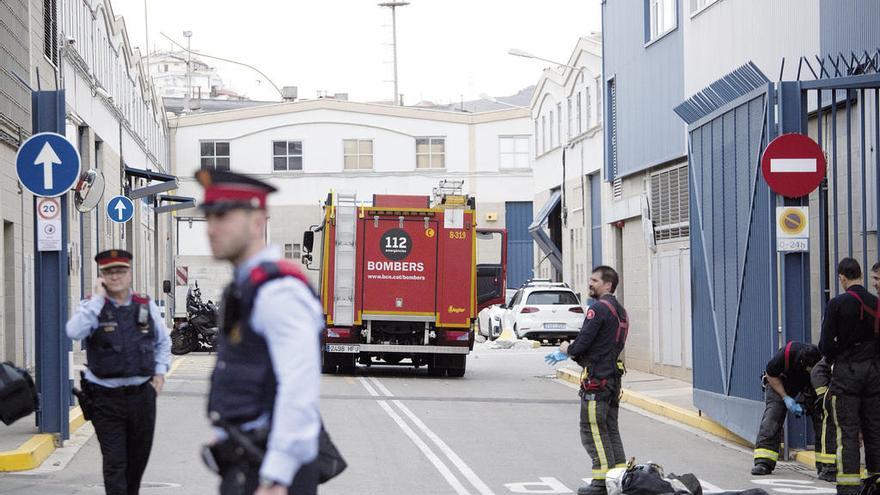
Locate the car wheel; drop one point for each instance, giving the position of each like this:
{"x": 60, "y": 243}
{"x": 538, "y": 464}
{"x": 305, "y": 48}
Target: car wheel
{"x": 516, "y": 333}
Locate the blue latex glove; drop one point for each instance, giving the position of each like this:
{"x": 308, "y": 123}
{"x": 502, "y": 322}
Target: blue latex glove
{"x": 555, "y": 357}
{"x": 793, "y": 406}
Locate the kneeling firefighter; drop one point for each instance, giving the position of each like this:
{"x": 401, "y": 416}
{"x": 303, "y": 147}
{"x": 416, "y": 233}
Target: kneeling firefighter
{"x": 597, "y": 349}
{"x": 787, "y": 388}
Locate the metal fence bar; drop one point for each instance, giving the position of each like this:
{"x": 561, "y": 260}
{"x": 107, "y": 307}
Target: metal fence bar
{"x": 849, "y": 181}
{"x": 877, "y": 165}
{"x": 834, "y": 191}
{"x": 864, "y": 192}
{"x": 823, "y": 215}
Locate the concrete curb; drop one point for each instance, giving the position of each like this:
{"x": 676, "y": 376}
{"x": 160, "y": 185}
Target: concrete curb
{"x": 660, "y": 408}
{"x": 35, "y": 450}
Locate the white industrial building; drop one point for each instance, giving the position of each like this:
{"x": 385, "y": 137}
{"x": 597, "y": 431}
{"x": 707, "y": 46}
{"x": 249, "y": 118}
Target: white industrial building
{"x": 309, "y": 148}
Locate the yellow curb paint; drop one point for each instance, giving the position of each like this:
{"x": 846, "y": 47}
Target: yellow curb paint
{"x": 35, "y": 450}
{"x": 806, "y": 457}
{"x": 174, "y": 365}
{"x": 660, "y": 408}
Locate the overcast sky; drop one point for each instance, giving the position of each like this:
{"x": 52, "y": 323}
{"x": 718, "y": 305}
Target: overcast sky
{"x": 446, "y": 48}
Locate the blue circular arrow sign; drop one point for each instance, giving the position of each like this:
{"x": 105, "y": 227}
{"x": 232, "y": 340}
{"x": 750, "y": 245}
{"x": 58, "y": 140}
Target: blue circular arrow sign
{"x": 120, "y": 209}
{"x": 47, "y": 164}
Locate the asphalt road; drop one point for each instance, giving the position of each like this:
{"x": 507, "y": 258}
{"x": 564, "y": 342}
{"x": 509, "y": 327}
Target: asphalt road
{"x": 507, "y": 427}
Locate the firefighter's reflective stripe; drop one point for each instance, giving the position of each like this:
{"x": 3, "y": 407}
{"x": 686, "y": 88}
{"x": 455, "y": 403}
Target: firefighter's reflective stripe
{"x": 766, "y": 454}
{"x": 826, "y": 458}
{"x": 849, "y": 479}
{"x": 597, "y": 441}
{"x": 621, "y": 465}
{"x": 840, "y": 474}
{"x": 821, "y": 390}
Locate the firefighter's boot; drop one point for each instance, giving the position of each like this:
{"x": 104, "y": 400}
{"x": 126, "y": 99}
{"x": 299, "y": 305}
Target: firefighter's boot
{"x": 761, "y": 469}
{"x": 827, "y": 472}
{"x": 596, "y": 487}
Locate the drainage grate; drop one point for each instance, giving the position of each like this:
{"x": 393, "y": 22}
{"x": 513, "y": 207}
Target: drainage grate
{"x": 793, "y": 466}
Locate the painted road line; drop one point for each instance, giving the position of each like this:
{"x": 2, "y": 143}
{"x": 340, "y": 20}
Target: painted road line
{"x": 367, "y": 386}
{"x": 381, "y": 386}
{"x": 448, "y": 452}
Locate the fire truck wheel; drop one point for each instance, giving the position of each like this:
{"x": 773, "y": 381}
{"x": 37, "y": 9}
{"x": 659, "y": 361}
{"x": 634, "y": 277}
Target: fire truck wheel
{"x": 436, "y": 370}
{"x": 459, "y": 369}
{"x": 328, "y": 366}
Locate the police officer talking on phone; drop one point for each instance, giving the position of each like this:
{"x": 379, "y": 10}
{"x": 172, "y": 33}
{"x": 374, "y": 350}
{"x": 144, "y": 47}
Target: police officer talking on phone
{"x": 128, "y": 353}
{"x": 264, "y": 388}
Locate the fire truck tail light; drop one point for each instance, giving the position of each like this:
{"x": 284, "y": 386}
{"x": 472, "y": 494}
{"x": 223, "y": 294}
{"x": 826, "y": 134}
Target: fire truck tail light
{"x": 577, "y": 309}
{"x": 529, "y": 309}
{"x": 338, "y": 333}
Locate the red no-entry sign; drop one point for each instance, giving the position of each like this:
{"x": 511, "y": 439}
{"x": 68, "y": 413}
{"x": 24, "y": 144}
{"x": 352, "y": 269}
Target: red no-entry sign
{"x": 793, "y": 165}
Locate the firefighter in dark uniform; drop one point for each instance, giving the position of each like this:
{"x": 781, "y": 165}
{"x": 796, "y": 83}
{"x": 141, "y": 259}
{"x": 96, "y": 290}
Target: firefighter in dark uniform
{"x": 597, "y": 349}
{"x": 788, "y": 389}
{"x": 826, "y": 437}
{"x": 264, "y": 388}
{"x": 849, "y": 342}
{"x": 128, "y": 352}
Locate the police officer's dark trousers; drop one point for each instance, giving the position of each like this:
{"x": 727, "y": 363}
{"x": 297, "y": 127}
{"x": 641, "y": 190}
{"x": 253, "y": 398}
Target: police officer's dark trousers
{"x": 242, "y": 478}
{"x": 124, "y": 420}
{"x": 855, "y": 399}
{"x": 600, "y": 433}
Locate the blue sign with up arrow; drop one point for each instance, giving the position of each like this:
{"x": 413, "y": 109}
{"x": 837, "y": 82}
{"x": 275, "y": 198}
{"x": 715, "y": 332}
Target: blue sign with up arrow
{"x": 120, "y": 209}
{"x": 47, "y": 164}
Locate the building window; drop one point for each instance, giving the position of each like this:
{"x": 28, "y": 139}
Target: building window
{"x": 431, "y": 152}
{"x": 580, "y": 112}
{"x": 588, "y": 110}
{"x": 669, "y": 203}
{"x": 613, "y": 172}
{"x": 513, "y": 152}
{"x": 358, "y": 153}
{"x": 537, "y": 138}
{"x": 571, "y": 124}
{"x": 287, "y": 155}
{"x": 558, "y": 124}
{"x": 552, "y": 138}
{"x": 292, "y": 251}
{"x": 215, "y": 155}
{"x": 599, "y": 109}
{"x": 50, "y": 30}
{"x": 544, "y": 144}
{"x": 697, "y": 5}
{"x": 661, "y": 14}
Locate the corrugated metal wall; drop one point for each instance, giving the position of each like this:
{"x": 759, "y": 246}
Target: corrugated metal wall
{"x": 849, "y": 26}
{"x": 520, "y": 248}
{"x": 647, "y": 78}
{"x": 733, "y": 322}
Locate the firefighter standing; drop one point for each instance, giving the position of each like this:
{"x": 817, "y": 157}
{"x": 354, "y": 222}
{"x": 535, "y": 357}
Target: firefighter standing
{"x": 849, "y": 342}
{"x": 789, "y": 390}
{"x": 264, "y": 388}
{"x": 128, "y": 354}
{"x": 597, "y": 348}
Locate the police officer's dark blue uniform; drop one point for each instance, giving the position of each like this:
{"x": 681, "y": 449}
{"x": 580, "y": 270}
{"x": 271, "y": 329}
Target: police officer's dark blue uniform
{"x": 264, "y": 388}
{"x": 128, "y": 354}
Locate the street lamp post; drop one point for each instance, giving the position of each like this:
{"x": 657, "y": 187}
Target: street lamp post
{"x": 393, "y": 5}
{"x": 516, "y": 52}
{"x": 186, "y": 105}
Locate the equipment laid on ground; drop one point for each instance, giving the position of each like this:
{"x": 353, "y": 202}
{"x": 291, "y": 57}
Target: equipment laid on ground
{"x": 402, "y": 279}
{"x": 18, "y": 395}
{"x": 199, "y": 331}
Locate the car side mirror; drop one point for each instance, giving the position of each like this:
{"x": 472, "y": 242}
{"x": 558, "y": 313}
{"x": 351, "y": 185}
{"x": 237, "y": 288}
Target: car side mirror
{"x": 308, "y": 241}
{"x": 166, "y": 286}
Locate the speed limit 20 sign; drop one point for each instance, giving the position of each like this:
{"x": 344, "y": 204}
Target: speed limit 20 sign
{"x": 48, "y": 224}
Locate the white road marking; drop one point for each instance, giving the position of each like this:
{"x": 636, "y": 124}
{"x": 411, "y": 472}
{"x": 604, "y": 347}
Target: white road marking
{"x": 795, "y": 486}
{"x": 448, "y": 452}
{"x": 545, "y": 485}
{"x": 381, "y": 386}
{"x": 367, "y": 386}
{"x": 444, "y": 470}
{"x": 709, "y": 487}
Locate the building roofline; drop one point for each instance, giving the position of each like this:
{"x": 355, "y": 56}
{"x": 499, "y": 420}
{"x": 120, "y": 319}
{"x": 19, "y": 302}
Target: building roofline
{"x": 282, "y": 108}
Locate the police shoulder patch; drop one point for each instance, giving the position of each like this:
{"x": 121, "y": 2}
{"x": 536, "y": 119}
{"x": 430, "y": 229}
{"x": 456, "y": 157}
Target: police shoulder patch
{"x": 591, "y": 314}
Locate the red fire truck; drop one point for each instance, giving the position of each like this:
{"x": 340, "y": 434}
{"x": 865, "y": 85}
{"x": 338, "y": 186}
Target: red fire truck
{"x": 402, "y": 279}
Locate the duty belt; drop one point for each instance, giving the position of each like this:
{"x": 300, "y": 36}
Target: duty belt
{"x": 117, "y": 391}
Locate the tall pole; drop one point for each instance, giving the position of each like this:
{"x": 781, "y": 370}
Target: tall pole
{"x": 394, "y": 5}
{"x": 186, "y": 106}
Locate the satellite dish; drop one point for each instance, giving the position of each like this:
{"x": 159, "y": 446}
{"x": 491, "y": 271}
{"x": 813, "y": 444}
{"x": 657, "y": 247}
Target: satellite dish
{"x": 89, "y": 190}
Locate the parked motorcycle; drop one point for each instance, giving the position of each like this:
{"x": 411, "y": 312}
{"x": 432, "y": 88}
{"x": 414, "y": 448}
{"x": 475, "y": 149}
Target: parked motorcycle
{"x": 199, "y": 331}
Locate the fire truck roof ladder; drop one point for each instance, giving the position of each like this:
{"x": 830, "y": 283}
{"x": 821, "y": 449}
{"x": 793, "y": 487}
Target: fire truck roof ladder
{"x": 343, "y": 281}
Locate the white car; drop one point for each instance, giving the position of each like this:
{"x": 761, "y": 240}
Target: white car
{"x": 544, "y": 310}
{"x": 489, "y": 319}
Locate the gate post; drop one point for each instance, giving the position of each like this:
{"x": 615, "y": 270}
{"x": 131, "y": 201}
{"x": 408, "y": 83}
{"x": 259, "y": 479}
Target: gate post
{"x": 795, "y": 267}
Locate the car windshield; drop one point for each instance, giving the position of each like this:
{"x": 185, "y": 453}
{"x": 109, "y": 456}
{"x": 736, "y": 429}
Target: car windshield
{"x": 552, "y": 297}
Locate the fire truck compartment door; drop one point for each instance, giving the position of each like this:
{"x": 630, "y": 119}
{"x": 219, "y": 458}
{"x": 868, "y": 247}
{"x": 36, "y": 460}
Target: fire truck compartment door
{"x": 399, "y": 267}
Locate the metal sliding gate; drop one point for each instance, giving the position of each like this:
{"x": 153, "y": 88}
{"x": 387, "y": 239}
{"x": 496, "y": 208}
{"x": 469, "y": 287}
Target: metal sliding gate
{"x": 748, "y": 300}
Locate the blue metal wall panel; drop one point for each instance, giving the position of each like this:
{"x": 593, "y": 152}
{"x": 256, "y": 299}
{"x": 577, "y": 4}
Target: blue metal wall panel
{"x": 849, "y": 26}
{"x": 596, "y": 218}
{"x": 520, "y": 247}
{"x": 648, "y": 131}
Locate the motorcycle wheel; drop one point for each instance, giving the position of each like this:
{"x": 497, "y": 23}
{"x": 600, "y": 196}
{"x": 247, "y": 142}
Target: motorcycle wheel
{"x": 182, "y": 342}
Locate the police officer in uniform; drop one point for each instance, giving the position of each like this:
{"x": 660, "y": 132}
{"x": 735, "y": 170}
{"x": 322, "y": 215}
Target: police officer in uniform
{"x": 788, "y": 389}
{"x": 264, "y": 388}
{"x": 597, "y": 349}
{"x": 849, "y": 342}
{"x": 128, "y": 353}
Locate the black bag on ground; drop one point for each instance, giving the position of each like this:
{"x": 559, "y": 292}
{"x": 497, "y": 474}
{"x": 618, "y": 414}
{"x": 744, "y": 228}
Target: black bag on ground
{"x": 330, "y": 461}
{"x": 18, "y": 395}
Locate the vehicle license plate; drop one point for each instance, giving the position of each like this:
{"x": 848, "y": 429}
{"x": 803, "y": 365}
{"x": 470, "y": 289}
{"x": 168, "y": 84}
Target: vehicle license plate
{"x": 554, "y": 326}
{"x": 347, "y": 348}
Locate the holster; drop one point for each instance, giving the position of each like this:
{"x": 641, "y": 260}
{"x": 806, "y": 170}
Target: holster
{"x": 239, "y": 447}
{"x": 86, "y": 397}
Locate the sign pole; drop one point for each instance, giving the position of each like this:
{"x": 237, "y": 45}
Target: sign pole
{"x": 51, "y": 293}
